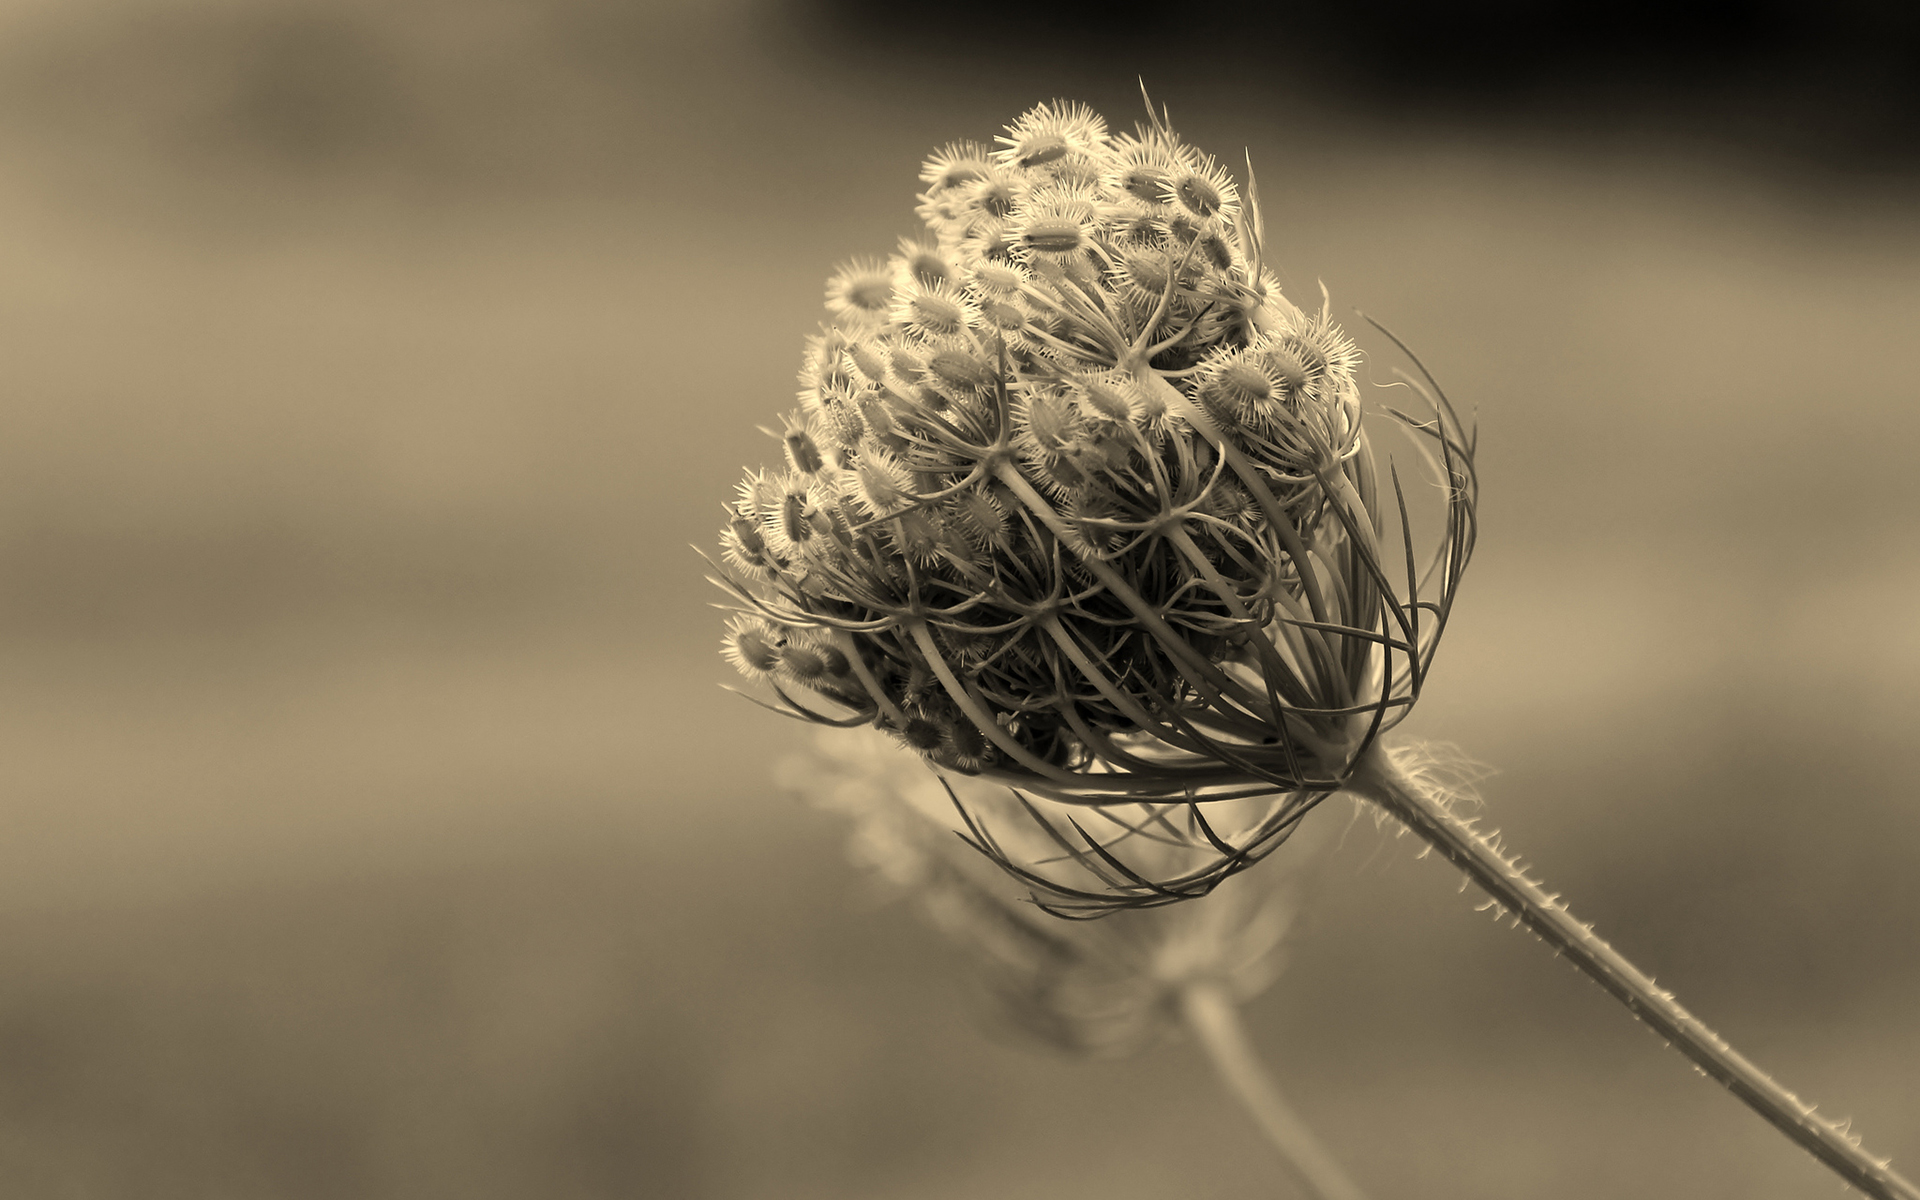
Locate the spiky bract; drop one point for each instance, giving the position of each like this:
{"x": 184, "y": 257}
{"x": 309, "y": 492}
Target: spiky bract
{"x": 1089, "y": 511}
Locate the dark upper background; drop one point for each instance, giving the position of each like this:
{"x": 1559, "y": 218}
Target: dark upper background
{"x": 374, "y": 824}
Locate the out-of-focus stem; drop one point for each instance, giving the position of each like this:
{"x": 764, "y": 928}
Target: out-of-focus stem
{"x": 1215, "y": 1020}
{"x": 1377, "y": 778}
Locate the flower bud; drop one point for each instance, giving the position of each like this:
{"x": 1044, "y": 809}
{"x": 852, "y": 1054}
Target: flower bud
{"x": 919, "y": 263}
{"x": 753, "y": 646}
{"x": 803, "y": 452}
{"x": 863, "y": 286}
{"x": 956, "y": 164}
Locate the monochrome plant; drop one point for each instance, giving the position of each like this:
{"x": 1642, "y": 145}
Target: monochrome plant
{"x": 1079, "y": 508}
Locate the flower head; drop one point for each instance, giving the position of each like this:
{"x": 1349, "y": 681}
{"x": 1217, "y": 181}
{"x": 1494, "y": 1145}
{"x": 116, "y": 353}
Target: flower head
{"x": 1088, "y": 509}
{"x": 1100, "y": 987}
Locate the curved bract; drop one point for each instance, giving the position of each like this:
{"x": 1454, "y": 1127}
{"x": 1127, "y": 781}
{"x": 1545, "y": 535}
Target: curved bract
{"x": 1077, "y": 502}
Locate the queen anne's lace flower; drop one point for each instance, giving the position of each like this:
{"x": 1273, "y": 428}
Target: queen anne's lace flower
{"x": 1094, "y": 987}
{"x": 1082, "y": 505}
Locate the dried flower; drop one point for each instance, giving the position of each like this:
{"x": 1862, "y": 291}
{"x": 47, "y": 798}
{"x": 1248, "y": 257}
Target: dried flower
{"x": 1102, "y": 988}
{"x": 1086, "y": 508}
{"x": 1077, "y": 503}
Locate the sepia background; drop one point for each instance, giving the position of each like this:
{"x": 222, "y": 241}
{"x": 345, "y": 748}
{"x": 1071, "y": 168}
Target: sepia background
{"x": 373, "y": 822}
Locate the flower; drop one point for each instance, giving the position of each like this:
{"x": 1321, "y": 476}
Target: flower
{"x": 1102, "y": 988}
{"x": 1088, "y": 509}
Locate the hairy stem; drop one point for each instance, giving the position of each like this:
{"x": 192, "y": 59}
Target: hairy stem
{"x": 1377, "y": 778}
{"x": 1215, "y": 1020}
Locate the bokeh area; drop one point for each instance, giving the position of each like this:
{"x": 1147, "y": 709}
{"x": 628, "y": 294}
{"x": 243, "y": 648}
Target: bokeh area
{"x": 373, "y": 821}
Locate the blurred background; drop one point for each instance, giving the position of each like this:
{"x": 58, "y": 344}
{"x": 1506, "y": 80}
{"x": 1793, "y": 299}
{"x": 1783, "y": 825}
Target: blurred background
{"x": 374, "y": 823}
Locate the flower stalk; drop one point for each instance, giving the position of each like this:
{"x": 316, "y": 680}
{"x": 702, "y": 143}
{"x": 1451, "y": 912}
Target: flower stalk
{"x": 1424, "y": 810}
{"x": 1215, "y": 1021}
